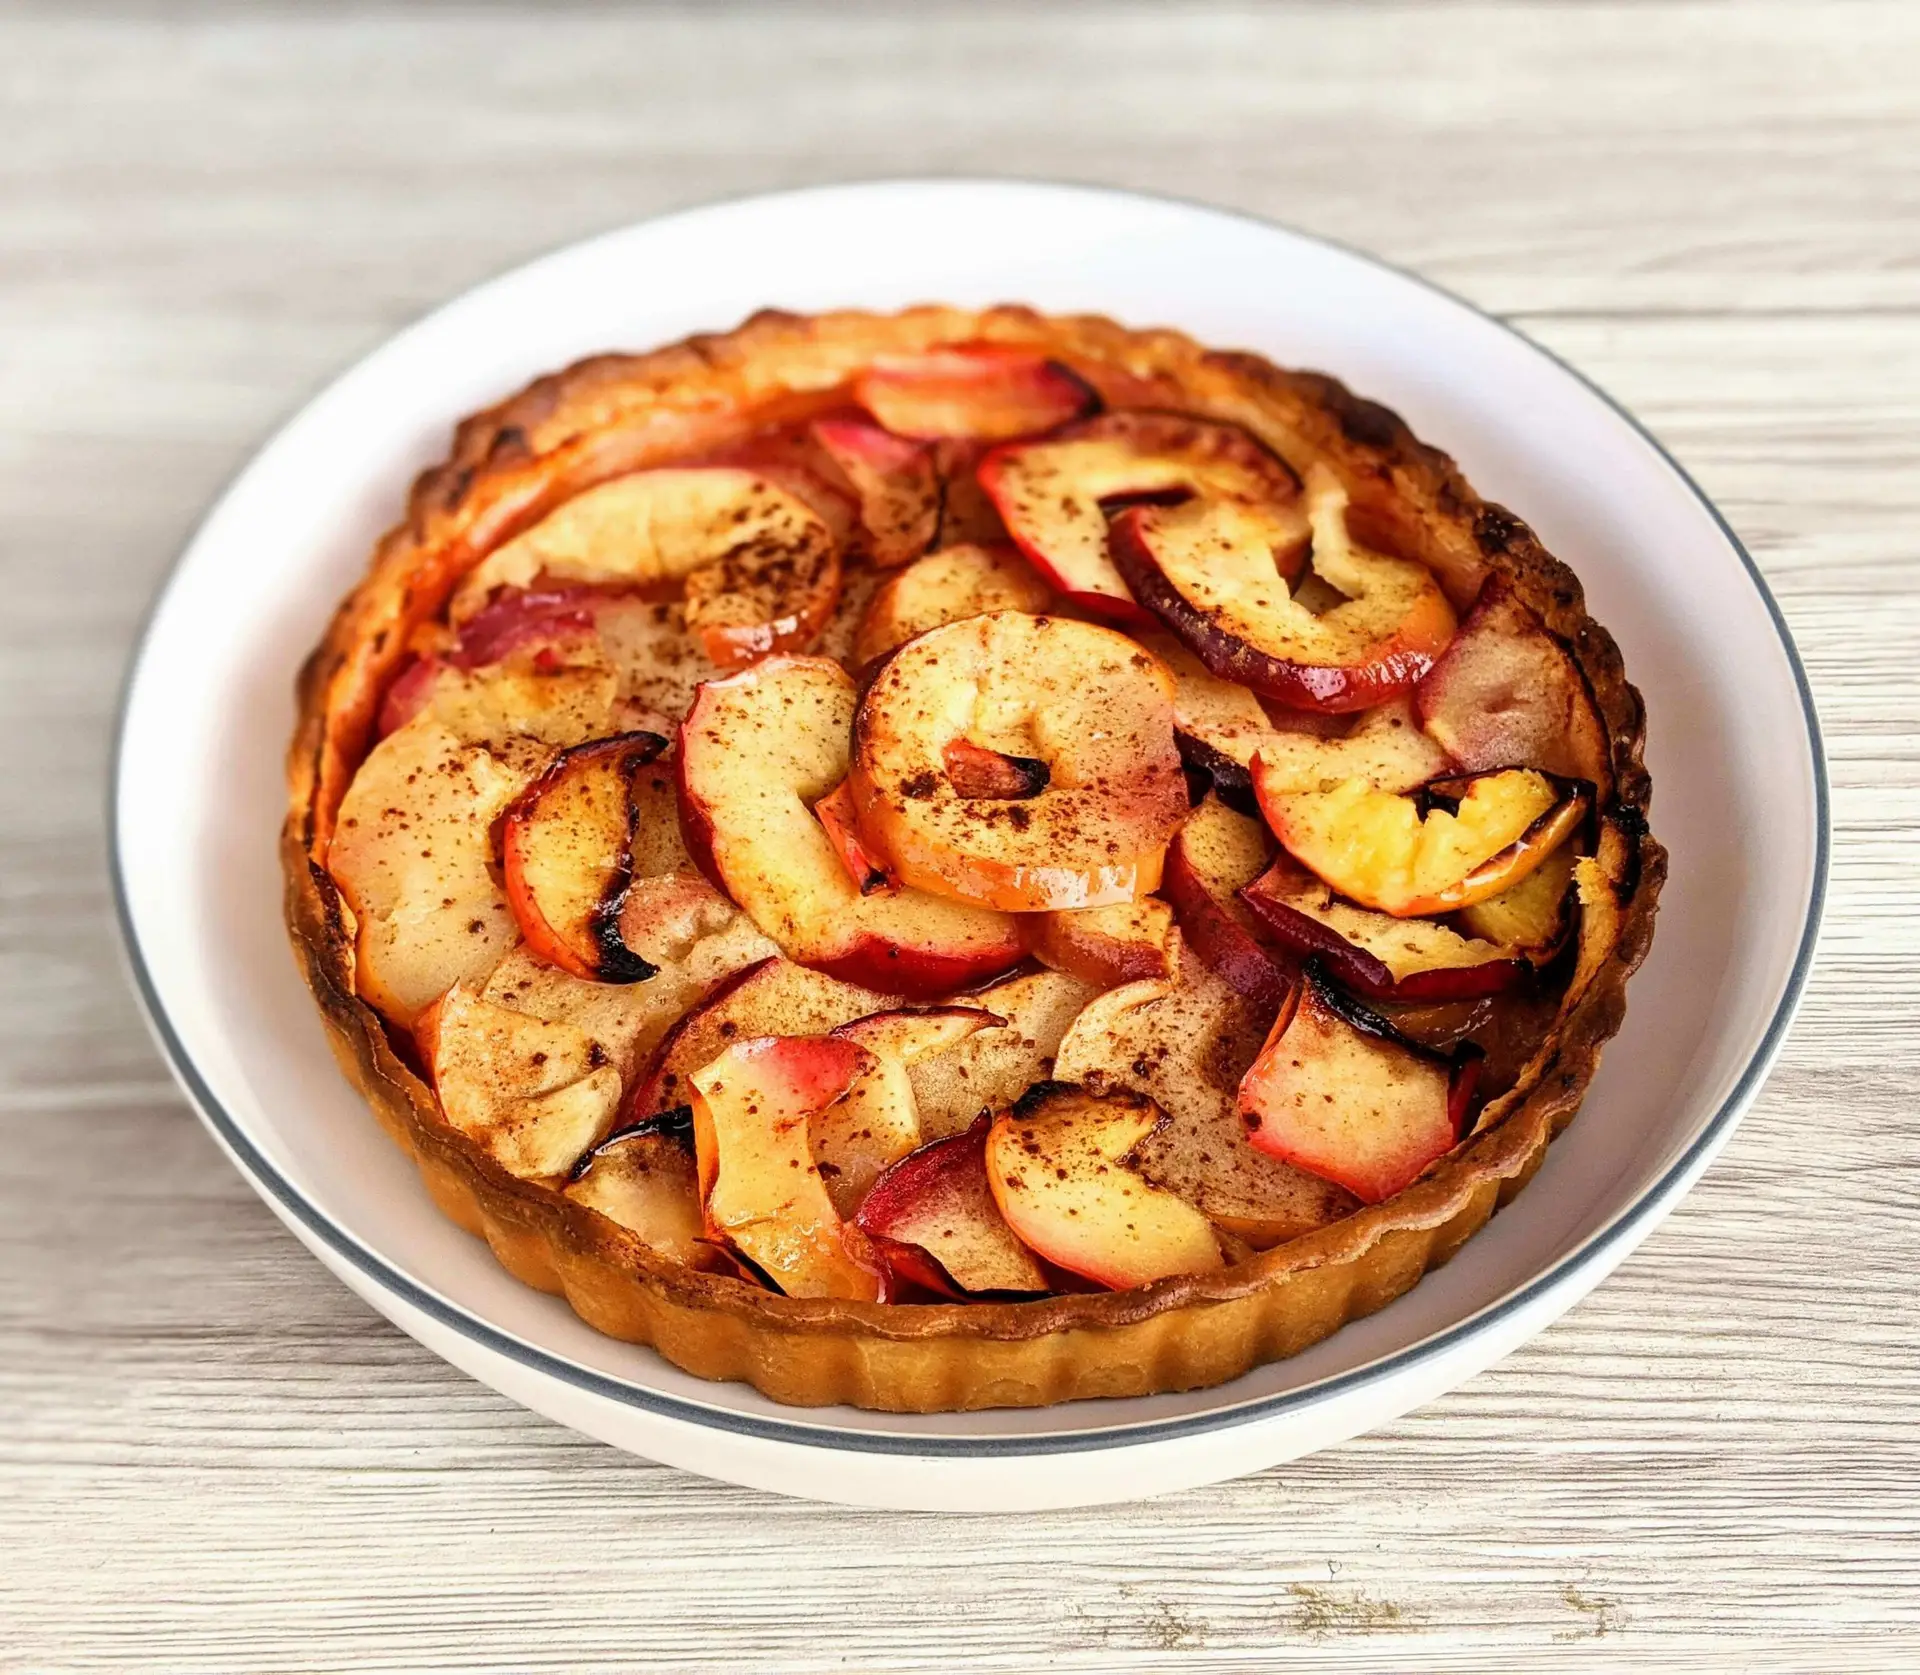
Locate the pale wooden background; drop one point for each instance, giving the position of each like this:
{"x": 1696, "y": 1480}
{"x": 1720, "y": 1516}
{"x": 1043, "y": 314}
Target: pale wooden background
{"x": 212, "y": 1457}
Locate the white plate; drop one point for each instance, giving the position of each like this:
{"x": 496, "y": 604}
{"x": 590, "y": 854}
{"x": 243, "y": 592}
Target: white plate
{"x": 1735, "y": 759}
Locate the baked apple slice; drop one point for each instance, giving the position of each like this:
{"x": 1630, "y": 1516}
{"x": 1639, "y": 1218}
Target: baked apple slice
{"x": 760, "y": 1193}
{"x": 943, "y": 587}
{"x": 1217, "y": 854}
{"x": 1082, "y": 703}
{"x": 1455, "y": 843}
{"x": 1214, "y": 571}
{"x": 1533, "y": 919}
{"x": 987, "y": 392}
{"x": 757, "y": 752}
{"x": 567, "y": 857}
{"x": 988, "y": 1071}
{"x": 932, "y": 1220}
{"x": 759, "y": 567}
{"x": 1375, "y": 954}
{"x": 533, "y": 1095}
{"x": 897, "y": 482}
{"x": 1125, "y": 943}
{"x": 865, "y": 865}
{"x": 1339, "y": 1092}
{"x": 772, "y": 997}
{"x": 643, "y": 1178}
{"x": 1186, "y": 1045}
{"x": 1508, "y": 694}
{"x": 1057, "y": 1164}
{"x": 1054, "y": 496}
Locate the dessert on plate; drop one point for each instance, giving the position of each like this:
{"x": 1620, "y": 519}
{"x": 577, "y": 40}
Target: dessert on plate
{"x": 965, "y": 858}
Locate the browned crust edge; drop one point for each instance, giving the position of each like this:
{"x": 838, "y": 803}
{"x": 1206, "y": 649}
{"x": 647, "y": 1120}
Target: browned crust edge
{"x": 616, "y": 413}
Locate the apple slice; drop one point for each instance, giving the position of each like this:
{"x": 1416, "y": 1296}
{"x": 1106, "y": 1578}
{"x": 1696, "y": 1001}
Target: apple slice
{"x": 643, "y": 1178}
{"x": 1057, "y": 1164}
{"x": 973, "y": 391}
{"x": 759, "y": 566}
{"x": 567, "y": 857}
{"x": 1376, "y": 954}
{"x": 1508, "y": 694}
{"x": 753, "y": 1107}
{"x": 865, "y": 865}
{"x": 1186, "y": 1046}
{"x": 1534, "y": 918}
{"x": 1217, "y": 854}
{"x": 1410, "y": 856}
{"x": 1339, "y": 1092}
{"x": 1208, "y": 569}
{"x": 943, "y": 587}
{"x": 935, "y": 1223}
{"x": 1084, "y": 702}
{"x": 772, "y": 997}
{"x": 534, "y": 1095}
{"x": 989, "y": 1070}
{"x": 1055, "y": 495}
{"x": 1125, "y": 943}
{"x": 897, "y": 482}
{"x": 757, "y": 752}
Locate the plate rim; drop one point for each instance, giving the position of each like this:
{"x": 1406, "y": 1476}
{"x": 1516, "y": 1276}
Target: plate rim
{"x": 1620, "y": 1233}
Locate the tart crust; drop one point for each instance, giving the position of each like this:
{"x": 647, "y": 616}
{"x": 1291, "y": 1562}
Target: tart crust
{"x": 618, "y": 413}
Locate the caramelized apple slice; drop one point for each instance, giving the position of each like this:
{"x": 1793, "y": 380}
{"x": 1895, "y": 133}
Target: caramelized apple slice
{"x": 760, "y": 567}
{"x": 757, "y": 752}
{"x": 1411, "y": 856}
{"x": 1216, "y": 854}
{"x": 643, "y": 1179}
{"x": 865, "y": 865}
{"x": 943, "y": 587}
{"x": 1508, "y": 694}
{"x": 1208, "y": 568}
{"x": 1375, "y": 954}
{"x": 533, "y": 1095}
{"x": 567, "y": 857}
{"x": 753, "y": 1107}
{"x": 1054, "y": 495}
{"x": 975, "y": 391}
{"x": 935, "y": 1222}
{"x": 1125, "y": 943}
{"x": 988, "y": 1071}
{"x": 1337, "y": 1091}
{"x": 1085, "y": 702}
{"x": 896, "y": 481}
{"x": 1057, "y": 1166}
{"x": 1533, "y": 919}
{"x": 1186, "y": 1046}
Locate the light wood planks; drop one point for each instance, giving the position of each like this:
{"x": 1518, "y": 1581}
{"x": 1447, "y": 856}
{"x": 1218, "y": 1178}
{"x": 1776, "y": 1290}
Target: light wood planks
{"x": 212, "y": 1457}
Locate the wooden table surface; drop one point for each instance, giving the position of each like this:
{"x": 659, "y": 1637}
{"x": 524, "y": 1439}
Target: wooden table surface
{"x": 212, "y": 1457}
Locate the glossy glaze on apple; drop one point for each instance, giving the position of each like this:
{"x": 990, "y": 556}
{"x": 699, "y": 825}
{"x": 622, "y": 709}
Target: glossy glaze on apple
{"x": 991, "y": 826}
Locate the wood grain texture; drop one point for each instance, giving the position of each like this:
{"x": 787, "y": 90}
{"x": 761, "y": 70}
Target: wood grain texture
{"x": 213, "y": 1458}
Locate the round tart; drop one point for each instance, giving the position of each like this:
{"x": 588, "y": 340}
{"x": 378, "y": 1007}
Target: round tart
{"x": 965, "y": 859}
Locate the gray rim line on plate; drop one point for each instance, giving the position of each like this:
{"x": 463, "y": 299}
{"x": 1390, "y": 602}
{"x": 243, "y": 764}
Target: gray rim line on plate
{"x": 1678, "y": 1176}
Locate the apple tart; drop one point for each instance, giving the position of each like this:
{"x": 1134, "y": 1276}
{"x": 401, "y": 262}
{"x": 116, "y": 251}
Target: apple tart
{"x": 965, "y": 859}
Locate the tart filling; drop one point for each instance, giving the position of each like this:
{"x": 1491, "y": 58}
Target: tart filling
{"x": 943, "y": 831}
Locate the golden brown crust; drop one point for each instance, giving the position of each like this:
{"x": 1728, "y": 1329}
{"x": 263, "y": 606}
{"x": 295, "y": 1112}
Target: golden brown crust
{"x": 616, "y": 413}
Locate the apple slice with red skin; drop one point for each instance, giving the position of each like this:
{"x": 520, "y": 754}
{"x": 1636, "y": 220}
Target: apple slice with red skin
{"x": 1339, "y": 1092}
{"x": 897, "y": 482}
{"x": 643, "y": 1178}
{"x": 1208, "y": 568}
{"x": 1509, "y": 694}
{"x": 992, "y": 775}
{"x": 1054, "y": 496}
{"x": 1455, "y": 843}
{"x": 933, "y": 1221}
{"x": 757, "y": 751}
{"x": 943, "y": 587}
{"x": 1057, "y": 1164}
{"x": 865, "y": 865}
{"x": 989, "y": 392}
{"x": 1083, "y": 701}
{"x": 1376, "y": 954}
{"x": 1128, "y": 942}
{"x": 760, "y": 1193}
{"x": 567, "y": 857}
{"x": 1216, "y": 854}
